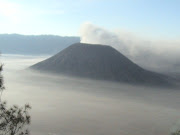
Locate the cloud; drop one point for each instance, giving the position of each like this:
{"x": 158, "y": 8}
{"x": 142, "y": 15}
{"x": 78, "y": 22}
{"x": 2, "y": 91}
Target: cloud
{"x": 70, "y": 106}
{"x": 153, "y": 55}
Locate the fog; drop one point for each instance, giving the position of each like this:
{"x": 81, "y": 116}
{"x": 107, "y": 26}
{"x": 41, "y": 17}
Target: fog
{"x": 157, "y": 55}
{"x": 70, "y": 106}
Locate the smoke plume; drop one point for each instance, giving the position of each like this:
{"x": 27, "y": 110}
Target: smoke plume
{"x": 153, "y": 55}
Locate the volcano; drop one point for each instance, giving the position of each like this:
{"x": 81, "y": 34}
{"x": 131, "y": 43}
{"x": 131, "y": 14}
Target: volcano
{"x": 100, "y": 62}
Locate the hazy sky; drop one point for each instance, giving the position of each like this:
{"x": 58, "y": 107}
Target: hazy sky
{"x": 149, "y": 18}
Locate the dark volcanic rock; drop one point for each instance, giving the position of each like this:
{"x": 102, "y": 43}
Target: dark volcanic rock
{"x": 99, "y": 62}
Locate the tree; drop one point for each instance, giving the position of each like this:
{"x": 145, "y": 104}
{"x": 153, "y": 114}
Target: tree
{"x": 13, "y": 120}
{"x": 1, "y": 82}
{"x": 176, "y": 133}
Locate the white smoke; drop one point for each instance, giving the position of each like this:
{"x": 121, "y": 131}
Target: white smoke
{"x": 153, "y": 55}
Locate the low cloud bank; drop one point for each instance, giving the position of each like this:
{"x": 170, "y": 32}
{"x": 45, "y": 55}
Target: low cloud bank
{"x": 70, "y": 106}
{"x": 153, "y": 55}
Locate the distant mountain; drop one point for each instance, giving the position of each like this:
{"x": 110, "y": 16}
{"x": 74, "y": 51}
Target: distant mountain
{"x": 99, "y": 62}
{"x": 31, "y": 44}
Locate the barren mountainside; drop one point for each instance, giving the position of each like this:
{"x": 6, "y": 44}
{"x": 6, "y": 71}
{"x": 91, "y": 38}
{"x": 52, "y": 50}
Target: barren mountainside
{"x": 98, "y": 62}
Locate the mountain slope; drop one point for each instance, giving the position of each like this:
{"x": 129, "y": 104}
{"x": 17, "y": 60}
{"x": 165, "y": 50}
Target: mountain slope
{"x": 34, "y": 44}
{"x": 98, "y": 62}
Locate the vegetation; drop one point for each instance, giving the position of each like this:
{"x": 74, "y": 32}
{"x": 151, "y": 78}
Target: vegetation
{"x": 176, "y": 133}
{"x": 13, "y": 120}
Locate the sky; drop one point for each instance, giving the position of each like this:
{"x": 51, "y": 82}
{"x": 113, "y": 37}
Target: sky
{"x": 155, "y": 19}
